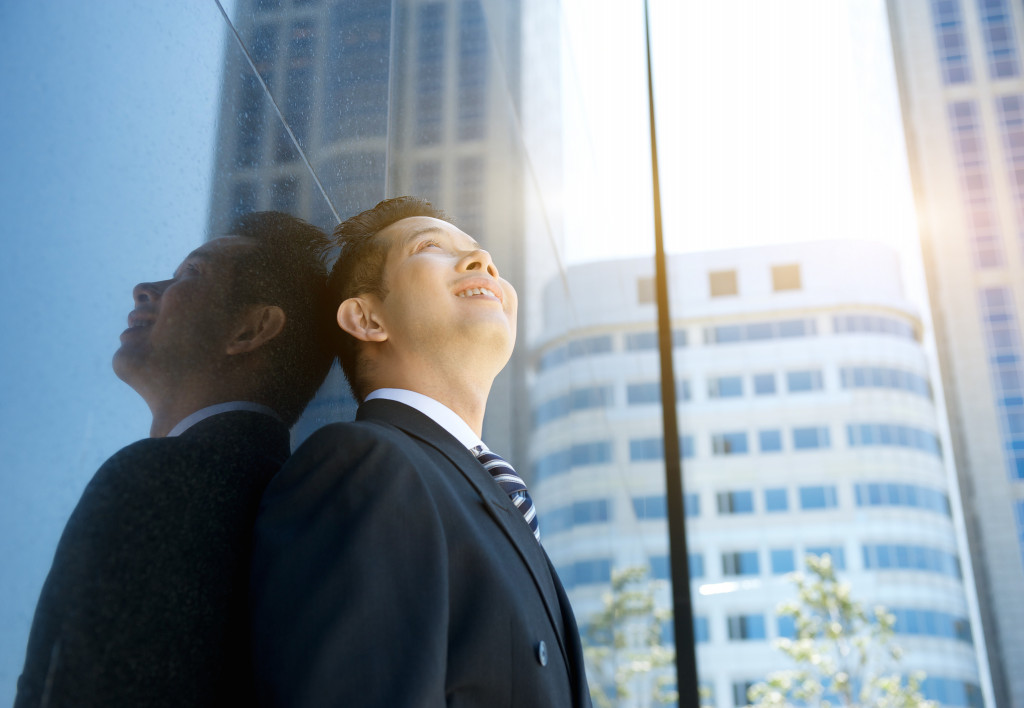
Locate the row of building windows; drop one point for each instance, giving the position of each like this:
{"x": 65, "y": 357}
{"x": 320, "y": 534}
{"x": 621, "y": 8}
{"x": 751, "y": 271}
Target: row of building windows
{"x": 1003, "y": 337}
{"x": 997, "y": 31}
{"x": 738, "y": 443}
{"x": 909, "y": 621}
{"x": 1010, "y": 110}
{"x": 891, "y": 556}
{"x": 654, "y": 507}
{"x": 975, "y": 183}
{"x": 719, "y": 387}
{"x": 847, "y": 323}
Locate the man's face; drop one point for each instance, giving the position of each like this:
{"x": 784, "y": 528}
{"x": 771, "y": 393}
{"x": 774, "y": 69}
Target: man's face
{"x": 181, "y": 326}
{"x": 444, "y": 294}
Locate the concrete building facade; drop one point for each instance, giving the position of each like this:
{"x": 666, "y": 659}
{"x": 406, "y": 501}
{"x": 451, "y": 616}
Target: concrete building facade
{"x": 808, "y": 423}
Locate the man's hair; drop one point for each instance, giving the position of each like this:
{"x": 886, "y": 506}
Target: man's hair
{"x": 286, "y": 268}
{"x": 359, "y": 270}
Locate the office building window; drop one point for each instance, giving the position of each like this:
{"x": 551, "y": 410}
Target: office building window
{"x": 659, "y": 566}
{"x": 686, "y": 446}
{"x": 881, "y": 377}
{"x": 954, "y": 58}
{"x": 473, "y": 65}
{"x": 552, "y": 358}
{"x": 802, "y": 381}
{"x": 700, "y": 629}
{"x": 429, "y": 84}
{"x": 725, "y": 387}
{"x": 740, "y": 563}
{"x": 975, "y": 183}
{"x": 746, "y": 627}
{"x": 740, "y": 691}
{"x": 648, "y": 341}
{"x": 729, "y": 444}
{"x": 908, "y": 495}
{"x": 887, "y": 434}
{"x": 786, "y": 627}
{"x": 1010, "y": 110}
{"x": 931, "y": 623}
{"x": 764, "y": 384}
{"x": 589, "y": 346}
{"x": 593, "y": 511}
{"x": 783, "y": 561}
{"x": 997, "y": 29}
{"x": 691, "y": 505}
{"x": 786, "y": 277}
{"x": 952, "y": 692}
{"x": 650, "y": 507}
{"x": 890, "y": 556}
{"x": 741, "y": 502}
{"x": 837, "y": 554}
{"x": 643, "y": 393}
{"x": 817, "y": 497}
{"x": 873, "y": 324}
{"x": 696, "y": 563}
{"x": 645, "y": 449}
{"x": 776, "y": 499}
{"x": 1006, "y": 367}
{"x": 760, "y": 331}
{"x": 587, "y": 572}
{"x": 811, "y": 438}
{"x": 770, "y": 440}
{"x": 722, "y": 282}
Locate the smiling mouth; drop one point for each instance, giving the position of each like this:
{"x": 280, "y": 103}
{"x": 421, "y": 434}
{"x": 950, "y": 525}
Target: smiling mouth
{"x": 479, "y": 291}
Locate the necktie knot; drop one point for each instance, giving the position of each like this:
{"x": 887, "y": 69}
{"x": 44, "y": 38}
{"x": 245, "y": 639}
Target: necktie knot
{"x": 511, "y": 483}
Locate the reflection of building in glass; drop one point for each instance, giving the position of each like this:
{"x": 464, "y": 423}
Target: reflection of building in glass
{"x": 808, "y": 425}
{"x": 959, "y": 66}
{"x": 425, "y": 101}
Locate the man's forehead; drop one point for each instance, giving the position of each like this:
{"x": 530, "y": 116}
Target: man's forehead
{"x": 405, "y": 230}
{"x": 223, "y": 246}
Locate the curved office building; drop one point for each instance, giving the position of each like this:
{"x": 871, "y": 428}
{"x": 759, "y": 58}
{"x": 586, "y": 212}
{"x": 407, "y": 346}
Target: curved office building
{"x": 808, "y": 423}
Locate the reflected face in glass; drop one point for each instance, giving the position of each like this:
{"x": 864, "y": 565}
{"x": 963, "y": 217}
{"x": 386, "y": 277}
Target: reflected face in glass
{"x": 180, "y": 327}
{"x": 443, "y": 288}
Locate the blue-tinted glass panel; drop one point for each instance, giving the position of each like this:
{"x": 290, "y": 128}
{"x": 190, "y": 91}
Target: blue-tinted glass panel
{"x": 783, "y": 560}
{"x": 770, "y": 440}
{"x": 803, "y": 381}
{"x": 810, "y": 438}
{"x": 739, "y": 502}
{"x": 644, "y": 449}
{"x": 729, "y": 443}
{"x": 776, "y": 499}
{"x": 817, "y": 497}
{"x": 725, "y": 387}
{"x": 764, "y": 384}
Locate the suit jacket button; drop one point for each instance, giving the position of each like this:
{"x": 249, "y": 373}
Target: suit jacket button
{"x": 542, "y": 653}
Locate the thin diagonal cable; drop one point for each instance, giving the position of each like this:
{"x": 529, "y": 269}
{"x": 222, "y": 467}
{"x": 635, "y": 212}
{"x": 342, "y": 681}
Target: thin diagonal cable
{"x": 277, "y": 109}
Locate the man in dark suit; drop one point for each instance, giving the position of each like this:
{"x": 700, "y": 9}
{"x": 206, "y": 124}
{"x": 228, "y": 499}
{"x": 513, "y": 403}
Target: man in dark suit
{"x": 145, "y": 604}
{"x": 395, "y": 562}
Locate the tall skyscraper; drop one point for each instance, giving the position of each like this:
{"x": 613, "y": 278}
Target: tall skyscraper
{"x": 419, "y": 97}
{"x": 808, "y": 426}
{"x": 962, "y": 93}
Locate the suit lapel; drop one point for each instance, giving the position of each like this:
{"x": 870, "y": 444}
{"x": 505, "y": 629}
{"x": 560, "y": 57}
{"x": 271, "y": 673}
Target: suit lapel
{"x": 497, "y": 503}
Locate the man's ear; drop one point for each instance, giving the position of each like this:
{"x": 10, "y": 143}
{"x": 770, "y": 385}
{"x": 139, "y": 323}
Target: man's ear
{"x": 258, "y": 325}
{"x": 357, "y": 317}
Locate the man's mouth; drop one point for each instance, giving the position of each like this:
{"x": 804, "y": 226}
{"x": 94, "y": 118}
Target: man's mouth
{"x": 479, "y": 291}
{"x": 137, "y": 321}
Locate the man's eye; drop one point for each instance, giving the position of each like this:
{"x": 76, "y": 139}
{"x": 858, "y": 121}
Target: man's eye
{"x": 429, "y": 244}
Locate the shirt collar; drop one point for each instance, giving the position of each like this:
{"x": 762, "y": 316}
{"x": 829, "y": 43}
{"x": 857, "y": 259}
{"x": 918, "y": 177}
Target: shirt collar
{"x": 204, "y": 413}
{"x": 436, "y": 411}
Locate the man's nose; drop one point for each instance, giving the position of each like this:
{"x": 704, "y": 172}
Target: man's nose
{"x": 146, "y": 292}
{"x": 480, "y": 259}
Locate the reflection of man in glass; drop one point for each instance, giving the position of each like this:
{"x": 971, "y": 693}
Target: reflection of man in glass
{"x": 396, "y": 561}
{"x": 145, "y": 602}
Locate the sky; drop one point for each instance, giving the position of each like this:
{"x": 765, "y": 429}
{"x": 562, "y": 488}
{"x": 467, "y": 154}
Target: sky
{"x": 778, "y": 121}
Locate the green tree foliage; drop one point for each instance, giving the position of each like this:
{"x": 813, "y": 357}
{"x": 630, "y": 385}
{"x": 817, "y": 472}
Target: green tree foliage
{"x": 844, "y": 656}
{"x": 623, "y": 645}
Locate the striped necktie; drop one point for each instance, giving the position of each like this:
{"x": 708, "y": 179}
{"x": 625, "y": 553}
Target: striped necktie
{"x": 511, "y": 483}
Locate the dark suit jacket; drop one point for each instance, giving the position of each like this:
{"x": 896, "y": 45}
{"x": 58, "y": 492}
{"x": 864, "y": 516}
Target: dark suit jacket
{"x": 390, "y": 570}
{"x": 145, "y": 602}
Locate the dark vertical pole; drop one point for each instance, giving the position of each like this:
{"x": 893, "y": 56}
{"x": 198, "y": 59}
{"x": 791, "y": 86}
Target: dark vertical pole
{"x": 686, "y": 657}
